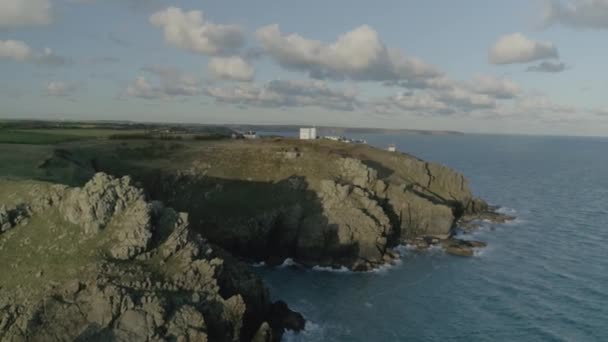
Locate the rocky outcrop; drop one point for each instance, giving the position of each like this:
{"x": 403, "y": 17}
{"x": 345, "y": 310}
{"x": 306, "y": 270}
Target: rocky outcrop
{"x": 351, "y": 228}
{"x": 320, "y": 203}
{"x": 12, "y": 217}
{"x": 347, "y": 209}
{"x": 116, "y": 267}
{"x": 95, "y": 204}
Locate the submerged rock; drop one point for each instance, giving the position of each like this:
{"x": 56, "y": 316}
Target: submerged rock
{"x": 460, "y": 247}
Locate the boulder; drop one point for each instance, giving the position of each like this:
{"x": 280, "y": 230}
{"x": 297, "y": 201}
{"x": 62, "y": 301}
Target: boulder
{"x": 460, "y": 247}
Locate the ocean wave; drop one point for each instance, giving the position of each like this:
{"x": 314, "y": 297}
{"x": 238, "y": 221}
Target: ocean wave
{"x": 258, "y": 264}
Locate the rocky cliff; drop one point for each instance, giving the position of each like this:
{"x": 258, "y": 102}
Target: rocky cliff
{"x": 102, "y": 263}
{"x": 320, "y": 203}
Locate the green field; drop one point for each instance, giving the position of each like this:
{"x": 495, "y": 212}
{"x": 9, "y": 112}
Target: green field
{"x": 36, "y": 137}
{"x": 81, "y": 132}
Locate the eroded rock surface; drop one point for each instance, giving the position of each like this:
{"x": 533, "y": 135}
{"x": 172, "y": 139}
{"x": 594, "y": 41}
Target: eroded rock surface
{"x": 101, "y": 263}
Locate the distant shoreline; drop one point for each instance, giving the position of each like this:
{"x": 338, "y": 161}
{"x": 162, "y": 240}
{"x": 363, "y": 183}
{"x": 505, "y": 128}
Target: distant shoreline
{"x": 334, "y": 130}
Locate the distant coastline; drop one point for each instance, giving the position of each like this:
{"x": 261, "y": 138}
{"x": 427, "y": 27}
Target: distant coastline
{"x": 125, "y": 124}
{"x": 336, "y": 130}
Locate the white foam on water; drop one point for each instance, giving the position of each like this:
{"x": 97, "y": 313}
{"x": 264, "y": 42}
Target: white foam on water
{"x": 288, "y": 263}
{"x": 480, "y": 251}
{"x": 342, "y": 269}
{"x": 506, "y": 211}
{"x": 384, "y": 269}
{"x": 258, "y": 264}
{"x": 406, "y": 248}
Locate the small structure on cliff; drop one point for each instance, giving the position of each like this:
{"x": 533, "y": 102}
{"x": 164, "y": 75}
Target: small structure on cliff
{"x": 308, "y": 133}
{"x": 392, "y": 148}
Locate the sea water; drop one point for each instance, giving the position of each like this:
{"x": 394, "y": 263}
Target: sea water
{"x": 543, "y": 277}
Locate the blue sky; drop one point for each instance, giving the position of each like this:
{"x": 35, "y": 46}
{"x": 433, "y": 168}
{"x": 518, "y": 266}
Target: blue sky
{"x": 403, "y": 64}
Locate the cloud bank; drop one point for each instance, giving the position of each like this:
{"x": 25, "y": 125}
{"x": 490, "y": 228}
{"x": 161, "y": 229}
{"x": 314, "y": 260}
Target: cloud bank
{"x": 279, "y": 93}
{"x": 357, "y": 55}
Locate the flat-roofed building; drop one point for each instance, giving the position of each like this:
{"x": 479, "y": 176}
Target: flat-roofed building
{"x": 309, "y": 133}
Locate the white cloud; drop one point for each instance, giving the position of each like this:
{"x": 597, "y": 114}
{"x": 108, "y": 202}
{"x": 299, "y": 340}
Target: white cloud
{"x": 60, "y": 89}
{"x": 16, "y": 13}
{"x": 21, "y": 52}
{"x": 143, "y": 89}
{"x": 424, "y": 103}
{"x": 500, "y": 88}
{"x": 441, "y": 95}
{"x": 517, "y": 48}
{"x": 174, "y": 82}
{"x": 280, "y": 93}
{"x": 591, "y": 14}
{"x": 171, "y": 82}
{"x": 231, "y": 68}
{"x": 547, "y": 66}
{"x": 358, "y": 55}
{"x": 15, "y": 49}
{"x": 192, "y": 32}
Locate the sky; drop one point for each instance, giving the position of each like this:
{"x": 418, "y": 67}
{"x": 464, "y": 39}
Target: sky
{"x": 518, "y": 66}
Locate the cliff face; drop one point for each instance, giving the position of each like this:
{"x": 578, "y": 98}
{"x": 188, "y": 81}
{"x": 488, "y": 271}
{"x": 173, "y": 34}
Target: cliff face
{"x": 320, "y": 203}
{"x": 102, "y": 263}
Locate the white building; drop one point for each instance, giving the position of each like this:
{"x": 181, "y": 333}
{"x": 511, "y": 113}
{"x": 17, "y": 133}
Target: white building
{"x": 308, "y": 133}
{"x": 392, "y": 148}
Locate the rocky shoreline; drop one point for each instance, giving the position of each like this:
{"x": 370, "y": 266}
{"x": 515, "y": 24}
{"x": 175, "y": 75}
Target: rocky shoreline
{"x": 152, "y": 246}
{"x": 337, "y": 206}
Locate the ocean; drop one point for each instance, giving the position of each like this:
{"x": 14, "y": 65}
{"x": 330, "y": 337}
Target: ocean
{"x": 543, "y": 277}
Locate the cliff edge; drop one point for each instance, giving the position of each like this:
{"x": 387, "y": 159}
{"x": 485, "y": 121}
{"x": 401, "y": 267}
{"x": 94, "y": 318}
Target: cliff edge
{"x": 317, "y": 202}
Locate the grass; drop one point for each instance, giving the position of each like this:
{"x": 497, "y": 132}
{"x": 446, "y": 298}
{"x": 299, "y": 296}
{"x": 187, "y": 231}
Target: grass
{"x": 81, "y": 132}
{"x": 47, "y": 243}
{"x": 35, "y": 137}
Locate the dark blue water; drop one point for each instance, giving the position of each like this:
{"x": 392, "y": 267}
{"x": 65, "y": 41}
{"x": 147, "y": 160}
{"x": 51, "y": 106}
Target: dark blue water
{"x": 543, "y": 277}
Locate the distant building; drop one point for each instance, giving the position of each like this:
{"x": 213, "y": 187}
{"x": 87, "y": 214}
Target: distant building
{"x": 250, "y": 135}
{"x": 308, "y": 133}
{"x": 391, "y": 148}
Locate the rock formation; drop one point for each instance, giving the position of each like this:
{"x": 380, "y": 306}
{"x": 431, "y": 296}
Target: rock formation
{"x": 328, "y": 204}
{"x": 319, "y": 202}
{"x": 101, "y": 263}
